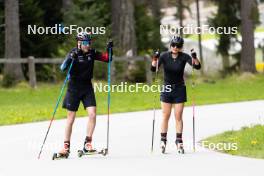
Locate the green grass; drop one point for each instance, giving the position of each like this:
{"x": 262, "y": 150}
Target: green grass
{"x": 235, "y": 88}
{"x": 249, "y": 141}
{"x": 260, "y": 29}
{"x": 259, "y": 57}
{"x": 23, "y": 104}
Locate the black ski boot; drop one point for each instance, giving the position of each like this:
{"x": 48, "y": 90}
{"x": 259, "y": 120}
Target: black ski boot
{"x": 163, "y": 146}
{"x": 163, "y": 142}
{"x": 179, "y": 145}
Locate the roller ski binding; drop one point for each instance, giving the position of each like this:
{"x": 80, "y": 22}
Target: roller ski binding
{"x": 179, "y": 145}
{"x": 64, "y": 153}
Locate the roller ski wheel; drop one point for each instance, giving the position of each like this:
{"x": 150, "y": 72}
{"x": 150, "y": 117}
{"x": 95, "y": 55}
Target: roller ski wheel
{"x": 80, "y": 153}
{"x": 64, "y": 153}
{"x": 163, "y": 147}
{"x": 180, "y": 148}
{"x": 60, "y": 156}
{"x": 104, "y": 152}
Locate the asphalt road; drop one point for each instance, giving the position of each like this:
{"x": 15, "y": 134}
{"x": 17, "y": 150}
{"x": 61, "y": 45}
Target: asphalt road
{"x": 130, "y": 142}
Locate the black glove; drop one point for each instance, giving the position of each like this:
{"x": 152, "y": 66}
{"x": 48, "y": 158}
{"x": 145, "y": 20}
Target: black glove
{"x": 193, "y": 54}
{"x": 156, "y": 55}
{"x": 110, "y": 44}
{"x": 74, "y": 55}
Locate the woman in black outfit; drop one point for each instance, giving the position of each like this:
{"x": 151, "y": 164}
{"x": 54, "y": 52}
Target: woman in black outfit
{"x": 174, "y": 62}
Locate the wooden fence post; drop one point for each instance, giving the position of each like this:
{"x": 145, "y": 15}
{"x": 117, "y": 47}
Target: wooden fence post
{"x": 32, "y": 72}
{"x": 54, "y": 73}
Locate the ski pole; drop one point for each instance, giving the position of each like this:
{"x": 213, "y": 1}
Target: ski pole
{"x": 108, "y": 95}
{"x": 193, "y": 104}
{"x": 154, "y": 108}
{"x": 55, "y": 109}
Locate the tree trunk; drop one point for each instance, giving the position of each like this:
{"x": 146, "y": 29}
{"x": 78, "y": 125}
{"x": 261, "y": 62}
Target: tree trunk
{"x": 226, "y": 62}
{"x": 247, "y": 63}
{"x": 12, "y": 40}
{"x": 123, "y": 30}
{"x": 66, "y": 4}
{"x": 123, "y": 25}
{"x": 155, "y": 8}
{"x": 180, "y": 13}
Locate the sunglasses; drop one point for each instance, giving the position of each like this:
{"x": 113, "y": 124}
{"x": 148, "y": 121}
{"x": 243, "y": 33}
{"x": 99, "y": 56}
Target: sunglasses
{"x": 177, "y": 45}
{"x": 86, "y": 43}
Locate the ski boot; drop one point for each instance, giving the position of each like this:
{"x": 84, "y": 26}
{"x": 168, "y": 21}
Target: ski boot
{"x": 179, "y": 145}
{"x": 64, "y": 153}
{"x": 163, "y": 146}
{"x": 87, "y": 148}
{"x": 163, "y": 142}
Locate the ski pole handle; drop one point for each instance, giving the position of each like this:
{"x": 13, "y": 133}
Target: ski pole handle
{"x": 155, "y": 58}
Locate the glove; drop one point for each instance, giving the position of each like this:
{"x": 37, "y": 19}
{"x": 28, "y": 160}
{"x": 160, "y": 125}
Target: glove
{"x": 193, "y": 54}
{"x": 156, "y": 55}
{"x": 110, "y": 44}
{"x": 74, "y": 55}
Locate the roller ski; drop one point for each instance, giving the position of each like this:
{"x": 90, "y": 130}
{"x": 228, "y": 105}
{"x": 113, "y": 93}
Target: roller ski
{"x": 64, "y": 153}
{"x": 94, "y": 152}
{"x": 89, "y": 150}
{"x": 179, "y": 145}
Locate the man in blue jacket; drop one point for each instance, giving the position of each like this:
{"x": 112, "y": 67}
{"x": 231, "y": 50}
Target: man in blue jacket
{"x": 80, "y": 88}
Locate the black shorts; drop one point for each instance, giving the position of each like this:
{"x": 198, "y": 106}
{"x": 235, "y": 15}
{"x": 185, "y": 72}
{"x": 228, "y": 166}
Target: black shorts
{"x": 177, "y": 95}
{"x": 75, "y": 95}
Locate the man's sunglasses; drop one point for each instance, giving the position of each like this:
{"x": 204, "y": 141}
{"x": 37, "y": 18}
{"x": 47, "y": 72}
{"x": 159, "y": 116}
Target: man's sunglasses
{"x": 86, "y": 43}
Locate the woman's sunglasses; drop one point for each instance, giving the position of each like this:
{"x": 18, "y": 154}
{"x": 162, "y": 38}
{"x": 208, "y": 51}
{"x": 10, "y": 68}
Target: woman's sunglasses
{"x": 177, "y": 45}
